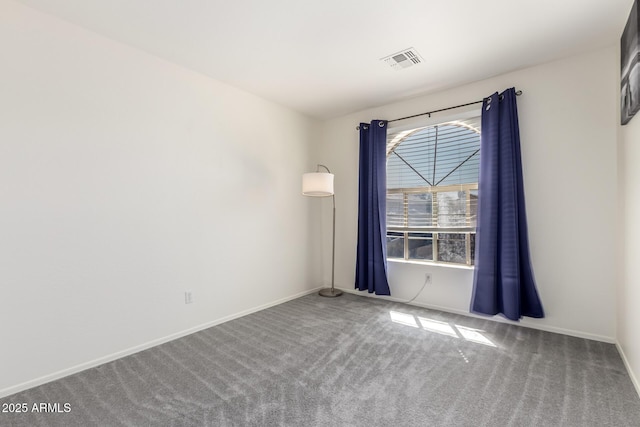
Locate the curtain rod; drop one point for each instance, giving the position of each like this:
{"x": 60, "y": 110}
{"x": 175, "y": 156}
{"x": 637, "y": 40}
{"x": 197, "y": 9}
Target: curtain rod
{"x": 518, "y": 93}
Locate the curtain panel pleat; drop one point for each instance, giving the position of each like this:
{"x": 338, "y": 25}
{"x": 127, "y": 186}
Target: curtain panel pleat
{"x": 371, "y": 260}
{"x": 503, "y": 281}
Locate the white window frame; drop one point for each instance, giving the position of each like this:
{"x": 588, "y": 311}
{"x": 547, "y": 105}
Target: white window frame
{"x": 406, "y": 231}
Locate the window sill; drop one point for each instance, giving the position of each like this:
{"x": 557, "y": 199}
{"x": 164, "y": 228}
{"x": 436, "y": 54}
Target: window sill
{"x": 431, "y": 264}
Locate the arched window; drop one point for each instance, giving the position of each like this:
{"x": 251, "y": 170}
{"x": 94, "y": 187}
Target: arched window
{"x": 432, "y": 192}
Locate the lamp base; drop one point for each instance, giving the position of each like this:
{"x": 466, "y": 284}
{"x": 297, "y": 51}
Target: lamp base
{"x": 328, "y": 292}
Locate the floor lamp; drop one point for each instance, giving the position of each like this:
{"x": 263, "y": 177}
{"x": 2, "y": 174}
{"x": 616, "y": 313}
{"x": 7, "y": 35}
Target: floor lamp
{"x": 320, "y": 184}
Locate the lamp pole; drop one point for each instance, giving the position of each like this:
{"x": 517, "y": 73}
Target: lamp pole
{"x": 331, "y": 292}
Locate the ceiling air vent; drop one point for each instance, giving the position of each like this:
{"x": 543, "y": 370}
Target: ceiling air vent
{"x": 403, "y": 59}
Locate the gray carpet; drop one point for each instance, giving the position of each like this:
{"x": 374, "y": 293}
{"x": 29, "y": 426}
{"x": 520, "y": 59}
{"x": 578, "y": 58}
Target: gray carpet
{"x": 349, "y": 361}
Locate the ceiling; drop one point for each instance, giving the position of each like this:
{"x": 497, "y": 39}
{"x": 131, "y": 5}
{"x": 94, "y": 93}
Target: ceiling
{"x": 323, "y": 58}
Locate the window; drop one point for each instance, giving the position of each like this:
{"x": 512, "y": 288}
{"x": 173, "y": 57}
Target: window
{"x": 432, "y": 192}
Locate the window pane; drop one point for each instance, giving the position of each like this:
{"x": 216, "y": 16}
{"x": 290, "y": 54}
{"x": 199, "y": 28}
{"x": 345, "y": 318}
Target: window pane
{"x": 395, "y": 209}
{"x": 474, "y": 208}
{"x": 395, "y": 245}
{"x": 452, "y": 209}
{"x": 421, "y": 246}
{"x": 432, "y": 178}
{"x": 452, "y": 248}
{"x": 420, "y": 207}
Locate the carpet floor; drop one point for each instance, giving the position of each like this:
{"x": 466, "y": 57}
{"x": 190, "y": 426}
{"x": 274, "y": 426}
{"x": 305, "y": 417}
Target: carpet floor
{"x": 348, "y": 361}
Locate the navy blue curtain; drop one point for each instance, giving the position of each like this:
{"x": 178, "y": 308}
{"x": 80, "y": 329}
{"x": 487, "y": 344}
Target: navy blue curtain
{"x": 503, "y": 278}
{"x": 371, "y": 261}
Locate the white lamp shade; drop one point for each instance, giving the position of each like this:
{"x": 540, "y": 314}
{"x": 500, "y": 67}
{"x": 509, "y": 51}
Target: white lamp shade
{"x": 317, "y": 184}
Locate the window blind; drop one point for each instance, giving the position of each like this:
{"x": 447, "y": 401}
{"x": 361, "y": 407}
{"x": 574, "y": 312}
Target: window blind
{"x": 432, "y": 175}
{"x": 440, "y": 155}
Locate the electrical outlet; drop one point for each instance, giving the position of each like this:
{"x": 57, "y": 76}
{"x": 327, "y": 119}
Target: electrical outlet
{"x": 188, "y": 297}
{"x": 428, "y": 279}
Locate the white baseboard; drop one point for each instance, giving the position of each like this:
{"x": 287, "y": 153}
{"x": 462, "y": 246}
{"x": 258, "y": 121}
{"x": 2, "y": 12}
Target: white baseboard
{"x": 109, "y": 358}
{"x": 547, "y": 328}
{"x": 634, "y": 380}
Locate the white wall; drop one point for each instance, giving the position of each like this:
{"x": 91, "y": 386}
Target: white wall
{"x": 568, "y": 126}
{"x": 126, "y": 180}
{"x": 629, "y": 288}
